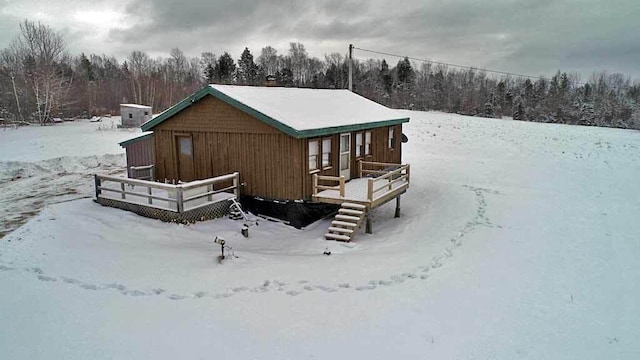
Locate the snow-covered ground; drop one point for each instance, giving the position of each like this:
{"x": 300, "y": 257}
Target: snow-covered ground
{"x": 41, "y": 165}
{"x": 517, "y": 240}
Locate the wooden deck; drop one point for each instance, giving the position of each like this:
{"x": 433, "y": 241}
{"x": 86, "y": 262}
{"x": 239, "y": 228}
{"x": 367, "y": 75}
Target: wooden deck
{"x": 185, "y": 202}
{"x": 379, "y": 183}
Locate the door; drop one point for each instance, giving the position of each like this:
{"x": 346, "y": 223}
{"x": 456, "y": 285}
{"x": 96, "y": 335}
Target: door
{"x": 345, "y": 156}
{"x": 184, "y": 148}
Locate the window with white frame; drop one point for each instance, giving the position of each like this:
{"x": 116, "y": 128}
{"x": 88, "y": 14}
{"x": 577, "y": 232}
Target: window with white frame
{"x": 359, "y": 145}
{"x": 392, "y": 139}
{"x": 367, "y": 143}
{"x": 314, "y": 155}
{"x": 326, "y": 153}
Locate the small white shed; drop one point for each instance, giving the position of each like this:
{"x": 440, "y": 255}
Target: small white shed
{"x": 134, "y": 115}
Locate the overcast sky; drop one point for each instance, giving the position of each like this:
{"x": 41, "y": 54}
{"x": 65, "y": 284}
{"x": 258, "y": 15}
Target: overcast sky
{"x": 534, "y": 37}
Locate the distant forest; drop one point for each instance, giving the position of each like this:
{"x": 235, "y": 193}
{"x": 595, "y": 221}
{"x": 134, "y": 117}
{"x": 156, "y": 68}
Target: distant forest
{"x": 39, "y": 80}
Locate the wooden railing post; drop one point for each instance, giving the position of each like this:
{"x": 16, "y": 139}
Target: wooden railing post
{"x": 97, "y": 183}
{"x": 315, "y": 184}
{"x": 341, "y": 185}
{"x": 152, "y": 173}
{"x": 179, "y": 197}
{"x": 408, "y": 173}
{"x": 150, "y": 193}
{"x": 360, "y": 168}
{"x": 236, "y": 185}
{"x": 370, "y": 189}
{"x": 122, "y": 188}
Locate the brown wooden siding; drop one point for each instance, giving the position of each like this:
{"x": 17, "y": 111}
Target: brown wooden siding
{"x": 227, "y": 140}
{"x": 271, "y": 164}
{"x": 140, "y": 153}
{"x": 211, "y": 114}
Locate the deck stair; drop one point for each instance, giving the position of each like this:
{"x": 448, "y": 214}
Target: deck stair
{"x": 347, "y": 221}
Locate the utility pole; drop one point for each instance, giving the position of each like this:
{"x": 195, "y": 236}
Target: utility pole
{"x": 350, "y": 67}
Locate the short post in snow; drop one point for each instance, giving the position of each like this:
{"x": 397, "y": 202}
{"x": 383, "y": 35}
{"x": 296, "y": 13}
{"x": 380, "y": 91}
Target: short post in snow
{"x": 97, "y": 184}
{"x": 397, "y": 215}
{"x": 369, "y": 226}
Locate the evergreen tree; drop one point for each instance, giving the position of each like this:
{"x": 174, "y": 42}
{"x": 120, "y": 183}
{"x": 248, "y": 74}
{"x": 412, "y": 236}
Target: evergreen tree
{"x": 247, "y": 69}
{"x": 209, "y": 73}
{"x": 517, "y": 111}
{"x": 284, "y": 77}
{"x": 385, "y": 77}
{"x": 405, "y": 71}
{"x": 225, "y": 69}
{"x": 86, "y": 68}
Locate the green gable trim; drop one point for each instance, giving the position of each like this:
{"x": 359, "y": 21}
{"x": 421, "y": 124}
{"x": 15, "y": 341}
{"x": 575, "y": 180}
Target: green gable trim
{"x": 147, "y": 126}
{"x": 135, "y": 139}
{"x": 208, "y": 90}
{"x": 348, "y": 128}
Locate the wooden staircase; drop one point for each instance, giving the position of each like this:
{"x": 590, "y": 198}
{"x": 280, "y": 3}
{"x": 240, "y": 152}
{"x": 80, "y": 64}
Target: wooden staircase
{"x": 346, "y": 222}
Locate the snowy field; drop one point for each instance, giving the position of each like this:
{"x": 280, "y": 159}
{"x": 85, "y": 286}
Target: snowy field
{"x": 517, "y": 241}
{"x": 42, "y": 165}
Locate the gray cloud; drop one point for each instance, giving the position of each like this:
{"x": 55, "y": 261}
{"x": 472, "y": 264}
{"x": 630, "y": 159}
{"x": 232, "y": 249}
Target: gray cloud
{"x": 525, "y": 36}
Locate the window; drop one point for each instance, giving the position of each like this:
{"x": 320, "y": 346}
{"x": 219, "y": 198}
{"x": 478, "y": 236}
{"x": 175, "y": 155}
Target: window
{"x": 345, "y": 151}
{"x": 359, "y": 145}
{"x": 130, "y": 116}
{"x": 367, "y": 143}
{"x": 392, "y": 139}
{"x": 314, "y": 155}
{"x": 326, "y": 152}
{"x": 146, "y": 113}
{"x": 186, "y": 147}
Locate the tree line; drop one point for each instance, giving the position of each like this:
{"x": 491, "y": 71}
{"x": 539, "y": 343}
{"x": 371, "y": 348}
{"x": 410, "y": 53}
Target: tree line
{"x": 39, "y": 80}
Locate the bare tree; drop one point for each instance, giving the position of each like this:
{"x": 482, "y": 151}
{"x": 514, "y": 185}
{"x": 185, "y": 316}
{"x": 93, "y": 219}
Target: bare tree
{"x": 139, "y": 68}
{"x": 299, "y": 59}
{"x": 10, "y": 63}
{"x": 41, "y": 51}
{"x": 268, "y": 60}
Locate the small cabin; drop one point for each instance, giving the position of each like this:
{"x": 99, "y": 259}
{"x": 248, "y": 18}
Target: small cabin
{"x": 134, "y": 115}
{"x": 280, "y": 141}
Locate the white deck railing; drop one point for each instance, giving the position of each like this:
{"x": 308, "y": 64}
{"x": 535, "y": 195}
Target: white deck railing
{"x": 383, "y": 177}
{"x": 383, "y": 180}
{"x": 178, "y": 198}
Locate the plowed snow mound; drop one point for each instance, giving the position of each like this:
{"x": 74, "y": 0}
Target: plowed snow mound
{"x": 28, "y": 186}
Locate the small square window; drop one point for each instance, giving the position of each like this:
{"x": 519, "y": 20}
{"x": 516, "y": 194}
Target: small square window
{"x": 130, "y": 116}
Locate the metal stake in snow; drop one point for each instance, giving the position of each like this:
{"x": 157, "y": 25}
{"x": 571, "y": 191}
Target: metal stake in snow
{"x": 221, "y": 242}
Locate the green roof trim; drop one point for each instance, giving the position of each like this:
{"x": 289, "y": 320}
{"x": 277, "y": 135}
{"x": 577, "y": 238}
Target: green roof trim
{"x": 147, "y": 126}
{"x": 135, "y": 139}
{"x": 299, "y": 134}
{"x": 348, "y": 128}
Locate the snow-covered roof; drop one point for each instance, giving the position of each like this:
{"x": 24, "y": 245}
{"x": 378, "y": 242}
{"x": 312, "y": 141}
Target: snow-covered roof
{"x": 136, "y": 106}
{"x": 298, "y": 112}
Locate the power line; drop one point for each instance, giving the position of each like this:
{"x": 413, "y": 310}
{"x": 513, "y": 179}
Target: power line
{"x": 458, "y": 66}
